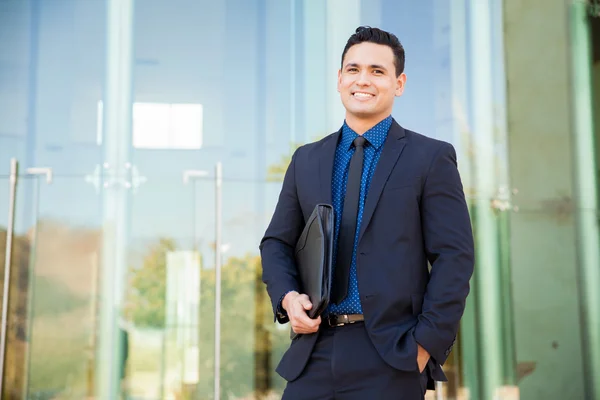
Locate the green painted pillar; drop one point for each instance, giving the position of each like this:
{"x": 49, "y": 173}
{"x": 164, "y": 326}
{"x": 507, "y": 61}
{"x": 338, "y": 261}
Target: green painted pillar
{"x": 468, "y": 349}
{"x": 487, "y": 274}
{"x": 585, "y": 195}
{"x": 469, "y": 339}
{"x": 508, "y": 337}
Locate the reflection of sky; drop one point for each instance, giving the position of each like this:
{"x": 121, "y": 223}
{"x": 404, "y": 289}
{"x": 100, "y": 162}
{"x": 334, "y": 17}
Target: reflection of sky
{"x": 263, "y": 72}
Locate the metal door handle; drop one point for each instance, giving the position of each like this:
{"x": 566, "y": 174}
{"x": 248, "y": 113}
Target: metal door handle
{"x": 193, "y": 174}
{"x": 14, "y": 175}
{"x": 187, "y": 176}
{"x": 41, "y": 171}
{"x": 218, "y": 256}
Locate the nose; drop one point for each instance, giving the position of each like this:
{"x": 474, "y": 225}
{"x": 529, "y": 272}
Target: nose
{"x": 363, "y": 78}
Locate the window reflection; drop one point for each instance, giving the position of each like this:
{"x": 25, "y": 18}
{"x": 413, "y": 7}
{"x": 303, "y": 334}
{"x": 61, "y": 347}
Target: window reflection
{"x": 163, "y": 126}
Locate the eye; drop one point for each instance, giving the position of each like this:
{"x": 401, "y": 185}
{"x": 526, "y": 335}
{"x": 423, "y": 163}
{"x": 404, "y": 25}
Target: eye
{"x": 352, "y": 69}
{"x": 378, "y": 71}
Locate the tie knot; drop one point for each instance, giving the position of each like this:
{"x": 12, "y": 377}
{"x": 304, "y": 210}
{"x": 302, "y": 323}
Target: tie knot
{"x": 359, "y": 141}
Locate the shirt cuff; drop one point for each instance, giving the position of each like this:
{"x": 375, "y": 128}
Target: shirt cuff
{"x": 282, "y": 315}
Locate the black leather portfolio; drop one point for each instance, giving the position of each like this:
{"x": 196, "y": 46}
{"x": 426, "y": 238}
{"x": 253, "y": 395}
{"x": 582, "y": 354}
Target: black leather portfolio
{"x": 314, "y": 256}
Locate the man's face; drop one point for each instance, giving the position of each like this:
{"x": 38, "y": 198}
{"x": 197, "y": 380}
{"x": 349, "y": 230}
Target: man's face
{"x": 367, "y": 81}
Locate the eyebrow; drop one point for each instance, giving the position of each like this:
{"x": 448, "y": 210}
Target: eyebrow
{"x": 372, "y": 66}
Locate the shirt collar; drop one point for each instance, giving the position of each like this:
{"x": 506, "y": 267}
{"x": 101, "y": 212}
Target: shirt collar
{"x": 375, "y": 136}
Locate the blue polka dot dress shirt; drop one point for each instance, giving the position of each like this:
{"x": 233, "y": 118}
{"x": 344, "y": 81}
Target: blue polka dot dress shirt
{"x": 375, "y": 137}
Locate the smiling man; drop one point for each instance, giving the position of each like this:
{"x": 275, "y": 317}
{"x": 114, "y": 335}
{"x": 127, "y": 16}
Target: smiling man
{"x": 399, "y": 205}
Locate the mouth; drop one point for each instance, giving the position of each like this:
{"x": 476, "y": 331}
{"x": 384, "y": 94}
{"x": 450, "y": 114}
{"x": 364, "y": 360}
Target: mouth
{"x": 362, "y": 95}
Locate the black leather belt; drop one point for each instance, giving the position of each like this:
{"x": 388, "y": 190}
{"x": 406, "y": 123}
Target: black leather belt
{"x": 342, "y": 319}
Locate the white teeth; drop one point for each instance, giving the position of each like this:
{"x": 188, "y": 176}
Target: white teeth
{"x": 363, "y": 95}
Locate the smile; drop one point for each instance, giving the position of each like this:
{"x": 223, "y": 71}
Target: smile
{"x": 362, "y": 95}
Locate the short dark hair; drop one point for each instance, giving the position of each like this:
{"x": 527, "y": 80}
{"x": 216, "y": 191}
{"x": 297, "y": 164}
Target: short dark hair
{"x": 378, "y": 36}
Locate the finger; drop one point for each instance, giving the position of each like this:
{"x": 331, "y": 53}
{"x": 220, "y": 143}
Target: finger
{"x": 301, "y": 319}
{"x": 314, "y": 322}
{"x": 305, "y": 301}
{"x": 303, "y": 306}
{"x": 300, "y": 307}
{"x": 302, "y": 330}
{"x": 306, "y": 323}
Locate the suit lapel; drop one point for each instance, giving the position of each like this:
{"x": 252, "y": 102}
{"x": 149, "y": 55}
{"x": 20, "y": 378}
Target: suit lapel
{"x": 326, "y": 159}
{"x": 392, "y": 148}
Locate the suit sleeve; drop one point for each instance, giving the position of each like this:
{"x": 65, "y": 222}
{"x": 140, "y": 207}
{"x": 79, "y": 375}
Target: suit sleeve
{"x": 448, "y": 241}
{"x": 279, "y": 271}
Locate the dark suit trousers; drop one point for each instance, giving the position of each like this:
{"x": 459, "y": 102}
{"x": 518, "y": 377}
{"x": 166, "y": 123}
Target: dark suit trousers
{"x": 345, "y": 365}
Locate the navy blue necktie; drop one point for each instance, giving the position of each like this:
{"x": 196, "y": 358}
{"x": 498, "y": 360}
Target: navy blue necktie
{"x": 348, "y": 223}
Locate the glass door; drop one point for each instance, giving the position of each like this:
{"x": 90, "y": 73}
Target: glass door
{"x": 51, "y": 215}
{"x": 169, "y": 306}
{"x": 199, "y": 320}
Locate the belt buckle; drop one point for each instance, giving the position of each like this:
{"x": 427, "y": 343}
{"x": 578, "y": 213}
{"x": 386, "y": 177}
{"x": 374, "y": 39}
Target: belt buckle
{"x": 344, "y": 317}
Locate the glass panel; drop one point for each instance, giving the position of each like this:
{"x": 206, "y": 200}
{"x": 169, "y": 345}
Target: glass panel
{"x": 51, "y": 69}
{"x": 251, "y": 345}
{"x": 51, "y": 72}
{"x": 66, "y": 246}
{"x": 170, "y": 250}
{"x": 171, "y": 320}
{"x": 53, "y": 286}
{"x": 478, "y": 116}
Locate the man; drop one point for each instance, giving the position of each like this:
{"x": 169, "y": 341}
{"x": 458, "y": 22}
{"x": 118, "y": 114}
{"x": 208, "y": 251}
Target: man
{"x": 399, "y": 204}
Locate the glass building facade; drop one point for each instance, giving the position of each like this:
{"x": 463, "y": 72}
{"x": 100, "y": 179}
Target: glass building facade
{"x": 142, "y": 150}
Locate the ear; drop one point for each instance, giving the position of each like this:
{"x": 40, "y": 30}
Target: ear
{"x": 339, "y": 82}
{"x": 400, "y": 83}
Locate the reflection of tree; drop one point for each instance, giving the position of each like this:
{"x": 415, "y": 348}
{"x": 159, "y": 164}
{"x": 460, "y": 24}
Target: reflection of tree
{"x": 41, "y": 354}
{"x": 276, "y": 172}
{"x": 16, "y": 345}
{"x": 248, "y": 336}
{"x": 146, "y": 305}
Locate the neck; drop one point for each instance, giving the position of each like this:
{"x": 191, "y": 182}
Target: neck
{"x": 361, "y": 125}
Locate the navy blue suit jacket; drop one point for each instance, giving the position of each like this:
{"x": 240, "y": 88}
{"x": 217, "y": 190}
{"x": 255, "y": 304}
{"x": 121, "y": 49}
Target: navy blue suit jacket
{"x": 415, "y": 213}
